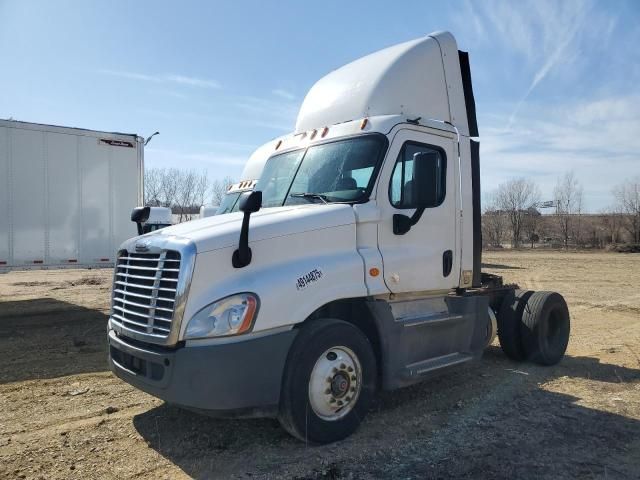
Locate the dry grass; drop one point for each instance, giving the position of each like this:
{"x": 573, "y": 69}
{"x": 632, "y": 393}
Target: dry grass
{"x": 65, "y": 416}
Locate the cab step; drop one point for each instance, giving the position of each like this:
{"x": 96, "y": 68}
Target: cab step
{"x": 426, "y": 366}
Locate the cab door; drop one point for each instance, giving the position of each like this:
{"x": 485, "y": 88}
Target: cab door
{"x": 426, "y": 257}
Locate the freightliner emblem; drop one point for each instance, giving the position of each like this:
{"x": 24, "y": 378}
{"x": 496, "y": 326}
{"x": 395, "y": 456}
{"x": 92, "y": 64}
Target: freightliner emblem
{"x": 143, "y": 246}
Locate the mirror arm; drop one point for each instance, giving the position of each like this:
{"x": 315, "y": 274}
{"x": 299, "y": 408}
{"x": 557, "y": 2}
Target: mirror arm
{"x": 249, "y": 202}
{"x": 242, "y": 256}
{"x": 139, "y": 225}
{"x": 402, "y": 223}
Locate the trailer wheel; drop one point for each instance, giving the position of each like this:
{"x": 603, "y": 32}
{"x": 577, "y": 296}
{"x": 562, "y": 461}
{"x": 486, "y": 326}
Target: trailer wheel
{"x": 545, "y": 328}
{"x": 329, "y": 381}
{"x": 509, "y": 324}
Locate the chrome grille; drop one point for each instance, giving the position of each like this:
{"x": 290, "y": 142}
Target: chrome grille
{"x": 144, "y": 291}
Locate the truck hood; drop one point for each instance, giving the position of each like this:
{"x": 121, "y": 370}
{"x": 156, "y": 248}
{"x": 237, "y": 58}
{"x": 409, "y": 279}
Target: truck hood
{"x": 221, "y": 231}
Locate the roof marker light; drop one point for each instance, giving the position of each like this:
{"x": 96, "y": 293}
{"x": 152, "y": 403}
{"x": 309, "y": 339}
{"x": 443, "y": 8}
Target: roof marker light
{"x": 278, "y": 144}
{"x": 313, "y": 134}
{"x": 364, "y": 123}
{"x": 325, "y": 130}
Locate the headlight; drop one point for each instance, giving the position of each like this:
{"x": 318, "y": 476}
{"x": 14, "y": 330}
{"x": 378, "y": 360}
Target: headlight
{"x": 229, "y": 316}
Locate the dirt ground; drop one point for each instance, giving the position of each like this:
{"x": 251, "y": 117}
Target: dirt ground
{"x": 64, "y": 415}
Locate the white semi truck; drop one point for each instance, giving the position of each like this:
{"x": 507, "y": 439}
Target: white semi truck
{"x": 249, "y": 177}
{"x": 353, "y": 266}
{"x": 66, "y": 194}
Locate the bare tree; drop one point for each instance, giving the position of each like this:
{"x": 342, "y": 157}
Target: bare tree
{"x": 611, "y": 220}
{"x": 493, "y": 222}
{"x": 185, "y": 192}
{"x": 191, "y": 190}
{"x": 627, "y": 196}
{"x": 568, "y": 199}
{"x": 514, "y": 198}
{"x": 530, "y": 225}
{"x": 219, "y": 189}
{"x": 152, "y": 186}
{"x": 201, "y": 188}
{"x": 169, "y": 186}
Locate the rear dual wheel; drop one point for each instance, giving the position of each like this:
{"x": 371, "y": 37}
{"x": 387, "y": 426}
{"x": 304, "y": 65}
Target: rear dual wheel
{"x": 534, "y": 326}
{"x": 328, "y": 383}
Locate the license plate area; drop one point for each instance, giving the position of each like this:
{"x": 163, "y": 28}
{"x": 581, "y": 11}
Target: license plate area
{"x": 129, "y": 362}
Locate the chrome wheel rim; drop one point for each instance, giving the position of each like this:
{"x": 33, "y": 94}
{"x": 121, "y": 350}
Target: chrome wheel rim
{"x": 335, "y": 383}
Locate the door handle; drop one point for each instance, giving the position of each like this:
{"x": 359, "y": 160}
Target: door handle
{"x": 447, "y": 263}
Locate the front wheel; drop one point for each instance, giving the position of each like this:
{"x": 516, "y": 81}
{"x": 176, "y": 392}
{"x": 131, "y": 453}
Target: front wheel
{"x": 328, "y": 383}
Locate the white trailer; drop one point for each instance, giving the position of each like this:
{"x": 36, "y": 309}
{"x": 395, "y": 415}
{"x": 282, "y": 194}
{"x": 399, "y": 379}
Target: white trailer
{"x": 66, "y": 194}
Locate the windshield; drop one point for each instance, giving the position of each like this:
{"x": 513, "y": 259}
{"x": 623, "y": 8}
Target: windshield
{"x": 229, "y": 203}
{"x": 340, "y": 171}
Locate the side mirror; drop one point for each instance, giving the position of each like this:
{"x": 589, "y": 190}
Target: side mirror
{"x": 250, "y": 202}
{"x": 426, "y": 190}
{"x": 140, "y": 215}
{"x": 426, "y": 166}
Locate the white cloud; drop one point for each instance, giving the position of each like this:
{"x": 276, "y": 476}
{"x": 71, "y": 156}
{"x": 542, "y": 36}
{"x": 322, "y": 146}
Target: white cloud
{"x": 160, "y": 157}
{"x": 163, "y": 78}
{"x": 597, "y": 139}
{"x": 549, "y": 37}
{"x": 276, "y": 115}
{"x": 191, "y": 81}
{"x": 278, "y": 92}
{"x": 232, "y": 146}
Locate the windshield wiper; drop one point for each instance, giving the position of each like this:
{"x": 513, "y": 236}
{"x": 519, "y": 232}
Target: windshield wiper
{"x": 309, "y": 195}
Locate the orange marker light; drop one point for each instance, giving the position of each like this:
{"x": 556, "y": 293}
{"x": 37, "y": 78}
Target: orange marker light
{"x": 278, "y": 144}
{"x": 364, "y": 123}
{"x": 248, "y": 316}
{"x": 325, "y": 130}
{"x": 374, "y": 272}
{"x": 313, "y": 135}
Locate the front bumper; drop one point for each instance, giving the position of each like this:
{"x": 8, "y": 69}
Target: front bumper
{"x": 242, "y": 378}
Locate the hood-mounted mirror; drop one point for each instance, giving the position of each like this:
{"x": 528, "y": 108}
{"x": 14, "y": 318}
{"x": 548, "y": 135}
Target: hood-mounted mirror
{"x": 249, "y": 202}
{"x": 140, "y": 215}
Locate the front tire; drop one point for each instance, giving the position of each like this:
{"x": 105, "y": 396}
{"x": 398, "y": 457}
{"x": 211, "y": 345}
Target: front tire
{"x": 329, "y": 382}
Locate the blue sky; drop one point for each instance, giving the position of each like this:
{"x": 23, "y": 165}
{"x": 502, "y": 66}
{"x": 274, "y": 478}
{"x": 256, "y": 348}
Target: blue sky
{"x": 557, "y": 83}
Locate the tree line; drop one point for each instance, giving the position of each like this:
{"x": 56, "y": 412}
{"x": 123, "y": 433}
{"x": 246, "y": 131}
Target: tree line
{"x": 184, "y": 191}
{"x": 512, "y": 214}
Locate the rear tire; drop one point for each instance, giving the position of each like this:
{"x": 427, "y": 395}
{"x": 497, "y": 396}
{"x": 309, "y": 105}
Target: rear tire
{"x": 509, "y": 324}
{"x": 545, "y": 328}
{"x": 331, "y": 363}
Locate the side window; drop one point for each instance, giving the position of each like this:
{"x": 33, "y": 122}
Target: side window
{"x": 403, "y": 186}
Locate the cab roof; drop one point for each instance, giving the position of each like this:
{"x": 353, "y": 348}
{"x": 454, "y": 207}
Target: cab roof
{"x": 419, "y": 78}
